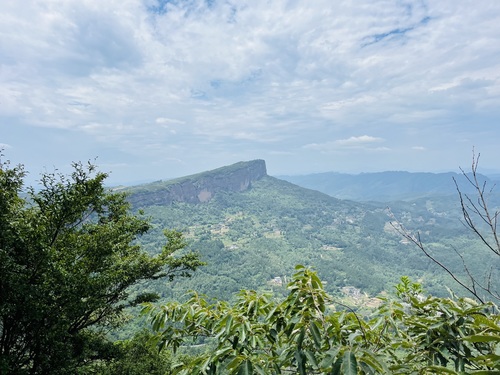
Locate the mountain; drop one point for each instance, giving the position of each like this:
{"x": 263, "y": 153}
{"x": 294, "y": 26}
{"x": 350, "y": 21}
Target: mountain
{"x": 385, "y": 186}
{"x": 252, "y": 229}
{"x": 200, "y": 187}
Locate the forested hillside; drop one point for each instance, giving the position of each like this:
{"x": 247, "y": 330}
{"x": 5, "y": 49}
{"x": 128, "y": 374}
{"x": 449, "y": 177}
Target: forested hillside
{"x": 254, "y": 238}
{"x": 287, "y": 287}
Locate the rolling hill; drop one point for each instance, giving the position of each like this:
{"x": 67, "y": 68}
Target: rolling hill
{"x": 252, "y": 229}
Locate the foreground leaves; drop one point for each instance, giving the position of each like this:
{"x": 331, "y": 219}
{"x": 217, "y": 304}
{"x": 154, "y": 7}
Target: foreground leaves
{"x": 302, "y": 334}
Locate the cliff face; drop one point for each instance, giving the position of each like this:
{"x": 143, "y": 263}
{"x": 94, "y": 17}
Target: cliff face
{"x": 201, "y": 187}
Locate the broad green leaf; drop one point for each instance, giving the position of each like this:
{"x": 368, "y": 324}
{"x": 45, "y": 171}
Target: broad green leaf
{"x": 316, "y": 335}
{"x": 489, "y": 360}
{"x": 337, "y": 367}
{"x": 258, "y": 368}
{"x": 350, "y": 365}
{"x": 301, "y": 362}
{"x": 273, "y": 334}
{"x": 229, "y": 324}
{"x": 312, "y": 359}
{"x": 371, "y": 360}
{"x": 483, "y": 320}
{"x": 246, "y": 368}
{"x": 222, "y": 352}
{"x": 441, "y": 370}
{"x": 243, "y": 333}
{"x": 250, "y": 308}
{"x": 329, "y": 358}
{"x": 301, "y": 338}
{"x": 234, "y": 363}
{"x": 206, "y": 363}
{"x": 253, "y": 341}
{"x": 482, "y": 338}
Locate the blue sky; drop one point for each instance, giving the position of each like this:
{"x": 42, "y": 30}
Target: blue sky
{"x": 160, "y": 89}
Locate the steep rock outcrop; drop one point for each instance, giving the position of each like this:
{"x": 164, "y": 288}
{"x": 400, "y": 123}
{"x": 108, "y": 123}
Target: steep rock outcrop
{"x": 201, "y": 187}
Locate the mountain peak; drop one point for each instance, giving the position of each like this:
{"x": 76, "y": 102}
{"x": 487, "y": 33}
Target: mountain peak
{"x": 200, "y": 187}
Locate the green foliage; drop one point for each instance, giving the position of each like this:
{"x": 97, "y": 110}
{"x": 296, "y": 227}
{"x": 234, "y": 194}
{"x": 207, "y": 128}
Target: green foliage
{"x": 302, "y": 334}
{"x": 68, "y": 256}
{"x": 441, "y": 335}
{"x": 249, "y": 238}
{"x": 406, "y": 288}
{"x": 136, "y": 356}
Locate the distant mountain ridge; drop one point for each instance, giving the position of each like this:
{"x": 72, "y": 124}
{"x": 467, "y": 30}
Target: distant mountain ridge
{"x": 201, "y": 187}
{"x": 385, "y": 186}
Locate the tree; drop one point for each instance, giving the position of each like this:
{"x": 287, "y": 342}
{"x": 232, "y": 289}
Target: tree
{"x": 302, "y": 334}
{"x": 430, "y": 335}
{"x": 137, "y": 356}
{"x": 482, "y": 221}
{"x": 259, "y": 335}
{"x": 68, "y": 255}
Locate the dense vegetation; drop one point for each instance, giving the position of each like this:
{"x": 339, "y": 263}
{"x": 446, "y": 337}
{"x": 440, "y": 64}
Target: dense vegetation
{"x": 304, "y": 334}
{"x": 68, "y": 257}
{"x": 250, "y": 238}
{"x": 74, "y": 262}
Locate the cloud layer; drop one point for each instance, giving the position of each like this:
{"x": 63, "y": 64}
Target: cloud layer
{"x": 165, "y": 88}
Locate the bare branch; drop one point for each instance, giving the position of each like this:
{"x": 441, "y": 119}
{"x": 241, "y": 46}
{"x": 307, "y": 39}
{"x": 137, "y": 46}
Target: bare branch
{"x": 469, "y": 222}
{"x": 415, "y": 239}
{"x": 477, "y": 217}
{"x": 481, "y": 210}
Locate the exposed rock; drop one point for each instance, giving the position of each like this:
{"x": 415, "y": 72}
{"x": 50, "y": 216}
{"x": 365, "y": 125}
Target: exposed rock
{"x": 201, "y": 187}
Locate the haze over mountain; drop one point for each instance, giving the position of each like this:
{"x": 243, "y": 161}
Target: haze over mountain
{"x": 386, "y": 186}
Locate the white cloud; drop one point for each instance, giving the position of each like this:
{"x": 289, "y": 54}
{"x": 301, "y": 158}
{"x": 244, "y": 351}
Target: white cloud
{"x": 166, "y": 120}
{"x": 239, "y": 73}
{"x": 364, "y": 142}
{"x": 357, "y": 141}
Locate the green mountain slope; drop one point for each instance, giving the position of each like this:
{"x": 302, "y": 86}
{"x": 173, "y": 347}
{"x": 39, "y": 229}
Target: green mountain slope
{"x": 253, "y": 237}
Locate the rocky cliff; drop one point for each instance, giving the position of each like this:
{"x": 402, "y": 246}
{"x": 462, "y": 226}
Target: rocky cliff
{"x": 201, "y": 187}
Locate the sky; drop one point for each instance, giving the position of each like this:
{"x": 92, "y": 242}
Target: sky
{"x": 152, "y": 90}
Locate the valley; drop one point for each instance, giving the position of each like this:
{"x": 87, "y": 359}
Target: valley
{"x": 255, "y": 228}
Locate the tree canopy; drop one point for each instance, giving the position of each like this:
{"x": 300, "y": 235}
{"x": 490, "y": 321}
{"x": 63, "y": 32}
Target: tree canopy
{"x": 68, "y": 255}
{"x": 304, "y": 333}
